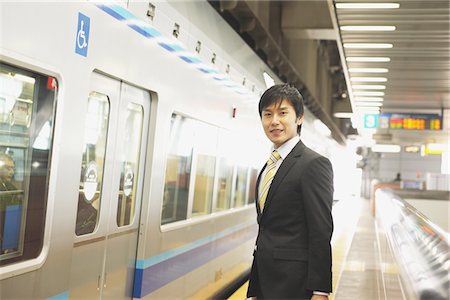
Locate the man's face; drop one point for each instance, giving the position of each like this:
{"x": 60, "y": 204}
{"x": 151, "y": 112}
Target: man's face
{"x": 6, "y": 169}
{"x": 280, "y": 122}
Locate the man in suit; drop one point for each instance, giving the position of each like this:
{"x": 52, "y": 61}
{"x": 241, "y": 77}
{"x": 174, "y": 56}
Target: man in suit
{"x": 292, "y": 257}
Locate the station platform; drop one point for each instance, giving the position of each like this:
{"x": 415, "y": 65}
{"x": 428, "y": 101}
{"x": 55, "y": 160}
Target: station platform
{"x": 361, "y": 268}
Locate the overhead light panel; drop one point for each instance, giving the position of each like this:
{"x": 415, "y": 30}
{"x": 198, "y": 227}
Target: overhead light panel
{"x": 370, "y": 104}
{"x": 368, "y": 28}
{"x": 370, "y": 109}
{"x": 367, "y": 5}
{"x": 368, "y": 70}
{"x": 368, "y": 79}
{"x": 343, "y": 115}
{"x": 367, "y": 59}
{"x": 368, "y": 87}
{"x": 365, "y": 93}
{"x": 368, "y": 45}
{"x": 388, "y": 148}
{"x": 374, "y": 99}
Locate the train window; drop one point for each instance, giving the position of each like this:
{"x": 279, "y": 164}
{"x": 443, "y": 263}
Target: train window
{"x": 252, "y": 186}
{"x": 225, "y": 174}
{"x": 27, "y": 102}
{"x": 205, "y": 135}
{"x": 130, "y": 165}
{"x": 91, "y": 177}
{"x": 178, "y": 169}
{"x": 241, "y": 186}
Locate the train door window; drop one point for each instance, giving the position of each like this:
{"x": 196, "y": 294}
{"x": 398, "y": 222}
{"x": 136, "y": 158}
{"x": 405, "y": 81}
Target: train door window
{"x": 206, "y": 148}
{"x": 130, "y": 164}
{"x": 178, "y": 169}
{"x": 241, "y": 186}
{"x": 91, "y": 176}
{"x": 25, "y": 149}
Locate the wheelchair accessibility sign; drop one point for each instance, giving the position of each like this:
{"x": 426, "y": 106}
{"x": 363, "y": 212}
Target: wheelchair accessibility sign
{"x": 82, "y": 38}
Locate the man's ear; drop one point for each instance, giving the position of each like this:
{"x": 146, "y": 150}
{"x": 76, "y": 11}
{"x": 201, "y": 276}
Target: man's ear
{"x": 300, "y": 120}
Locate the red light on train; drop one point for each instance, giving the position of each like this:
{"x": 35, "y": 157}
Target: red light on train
{"x": 51, "y": 83}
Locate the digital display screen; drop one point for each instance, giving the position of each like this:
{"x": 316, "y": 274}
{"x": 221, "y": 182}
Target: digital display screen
{"x": 404, "y": 121}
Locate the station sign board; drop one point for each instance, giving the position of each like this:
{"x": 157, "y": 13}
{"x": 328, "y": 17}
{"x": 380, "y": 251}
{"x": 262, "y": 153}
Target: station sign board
{"x": 403, "y": 121}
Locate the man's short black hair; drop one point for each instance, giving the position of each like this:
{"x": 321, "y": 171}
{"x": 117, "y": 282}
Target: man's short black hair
{"x": 280, "y": 92}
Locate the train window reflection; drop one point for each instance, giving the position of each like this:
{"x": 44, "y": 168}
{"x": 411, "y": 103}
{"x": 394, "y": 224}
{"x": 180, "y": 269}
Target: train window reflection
{"x": 241, "y": 186}
{"x": 91, "y": 177}
{"x": 225, "y": 174}
{"x": 178, "y": 169}
{"x": 130, "y": 165}
{"x": 24, "y": 161}
{"x": 252, "y": 186}
{"x": 201, "y": 157}
{"x": 204, "y": 183}
{"x": 206, "y": 147}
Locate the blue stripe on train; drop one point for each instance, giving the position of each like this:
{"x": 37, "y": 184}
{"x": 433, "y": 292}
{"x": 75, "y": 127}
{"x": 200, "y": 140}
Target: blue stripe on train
{"x": 148, "y": 31}
{"x": 62, "y": 296}
{"x": 157, "y": 274}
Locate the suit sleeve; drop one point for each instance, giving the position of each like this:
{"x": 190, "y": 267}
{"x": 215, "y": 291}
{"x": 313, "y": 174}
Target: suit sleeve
{"x": 317, "y": 189}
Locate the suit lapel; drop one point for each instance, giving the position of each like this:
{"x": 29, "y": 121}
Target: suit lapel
{"x": 287, "y": 164}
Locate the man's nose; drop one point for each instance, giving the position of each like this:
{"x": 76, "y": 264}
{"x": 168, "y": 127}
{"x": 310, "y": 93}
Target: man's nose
{"x": 275, "y": 119}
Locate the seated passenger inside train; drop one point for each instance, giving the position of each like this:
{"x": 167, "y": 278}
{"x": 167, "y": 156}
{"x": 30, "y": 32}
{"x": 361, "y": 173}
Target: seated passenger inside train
{"x": 10, "y": 209}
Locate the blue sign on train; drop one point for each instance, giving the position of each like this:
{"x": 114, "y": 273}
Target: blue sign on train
{"x": 82, "y": 38}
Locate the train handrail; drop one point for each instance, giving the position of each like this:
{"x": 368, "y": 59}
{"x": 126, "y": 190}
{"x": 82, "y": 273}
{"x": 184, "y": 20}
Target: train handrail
{"x": 421, "y": 248}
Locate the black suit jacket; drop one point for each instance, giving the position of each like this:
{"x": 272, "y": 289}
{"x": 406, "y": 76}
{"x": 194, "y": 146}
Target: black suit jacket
{"x": 292, "y": 255}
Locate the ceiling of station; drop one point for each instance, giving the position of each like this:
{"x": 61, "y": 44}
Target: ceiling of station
{"x": 413, "y": 69}
{"x": 415, "y": 73}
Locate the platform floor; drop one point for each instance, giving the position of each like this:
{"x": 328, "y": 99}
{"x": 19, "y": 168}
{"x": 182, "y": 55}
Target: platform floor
{"x": 358, "y": 270}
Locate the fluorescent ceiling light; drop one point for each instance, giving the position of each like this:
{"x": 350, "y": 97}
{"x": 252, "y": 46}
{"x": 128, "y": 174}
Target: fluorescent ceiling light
{"x": 412, "y": 149}
{"x": 386, "y": 148}
{"x": 376, "y": 99}
{"x": 368, "y": 28}
{"x": 367, "y": 59}
{"x": 368, "y": 45}
{"x": 370, "y": 104}
{"x": 367, "y": 108}
{"x": 365, "y": 93}
{"x": 368, "y": 87}
{"x": 368, "y": 79}
{"x": 367, "y": 5}
{"x": 370, "y": 109}
{"x": 368, "y": 70}
{"x": 343, "y": 115}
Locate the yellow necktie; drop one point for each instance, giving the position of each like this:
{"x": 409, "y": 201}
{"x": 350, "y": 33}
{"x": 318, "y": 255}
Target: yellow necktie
{"x": 268, "y": 178}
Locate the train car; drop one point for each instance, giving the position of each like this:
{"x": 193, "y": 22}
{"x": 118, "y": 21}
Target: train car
{"x": 133, "y": 136}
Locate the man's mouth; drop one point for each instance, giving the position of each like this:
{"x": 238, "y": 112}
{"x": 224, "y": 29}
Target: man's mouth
{"x": 276, "y": 131}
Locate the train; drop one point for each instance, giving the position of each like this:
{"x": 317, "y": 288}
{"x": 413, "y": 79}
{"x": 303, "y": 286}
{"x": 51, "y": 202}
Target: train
{"x": 133, "y": 133}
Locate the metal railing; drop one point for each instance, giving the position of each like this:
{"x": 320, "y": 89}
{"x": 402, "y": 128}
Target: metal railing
{"x": 421, "y": 248}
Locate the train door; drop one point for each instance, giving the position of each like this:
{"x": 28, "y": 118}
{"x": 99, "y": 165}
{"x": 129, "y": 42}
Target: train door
{"x": 109, "y": 200}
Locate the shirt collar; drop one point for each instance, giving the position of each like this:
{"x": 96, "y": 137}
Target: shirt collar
{"x": 287, "y": 147}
